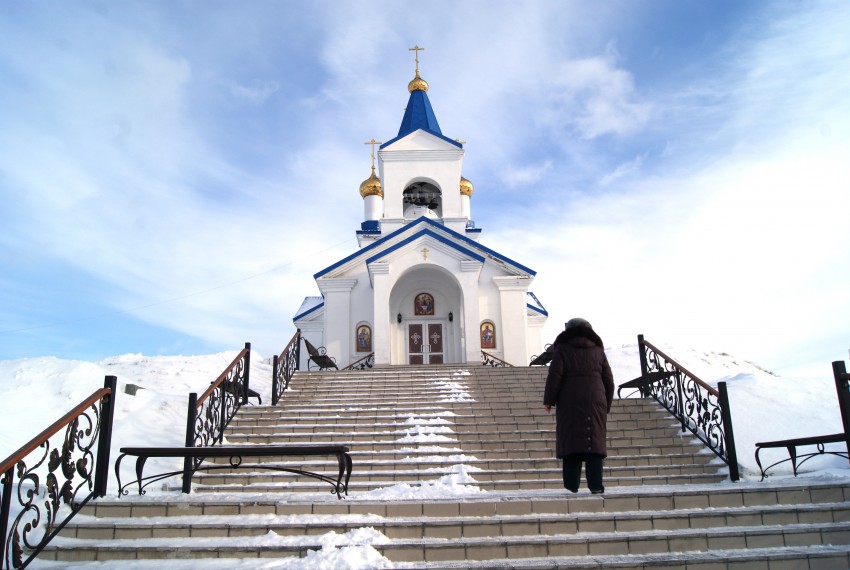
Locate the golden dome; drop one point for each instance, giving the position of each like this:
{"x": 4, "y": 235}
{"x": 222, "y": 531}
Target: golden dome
{"x": 417, "y": 84}
{"x": 465, "y": 187}
{"x": 371, "y": 186}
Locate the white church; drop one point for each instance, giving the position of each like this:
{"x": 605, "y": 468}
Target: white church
{"x": 421, "y": 289}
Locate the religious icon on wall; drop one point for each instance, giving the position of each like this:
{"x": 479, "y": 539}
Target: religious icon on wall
{"x": 423, "y": 304}
{"x": 364, "y": 338}
{"x": 488, "y": 335}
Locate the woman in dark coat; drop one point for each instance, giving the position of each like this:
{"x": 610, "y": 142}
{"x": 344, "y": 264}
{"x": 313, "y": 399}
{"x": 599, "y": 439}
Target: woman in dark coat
{"x": 581, "y": 388}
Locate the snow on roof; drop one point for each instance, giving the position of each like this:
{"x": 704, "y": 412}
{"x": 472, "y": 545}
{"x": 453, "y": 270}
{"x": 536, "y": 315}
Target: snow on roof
{"x": 309, "y": 305}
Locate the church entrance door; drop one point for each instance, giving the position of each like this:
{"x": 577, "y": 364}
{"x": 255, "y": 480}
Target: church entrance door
{"x": 425, "y": 343}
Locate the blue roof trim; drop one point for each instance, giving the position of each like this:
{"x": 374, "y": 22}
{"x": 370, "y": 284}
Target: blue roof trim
{"x": 539, "y": 307}
{"x": 543, "y": 312}
{"x": 423, "y": 220}
{"x": 417, "y": 235}
{"x": 308, "y": 311}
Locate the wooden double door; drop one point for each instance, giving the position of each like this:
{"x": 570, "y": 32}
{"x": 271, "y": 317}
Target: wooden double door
{"x": 425, "y": 343}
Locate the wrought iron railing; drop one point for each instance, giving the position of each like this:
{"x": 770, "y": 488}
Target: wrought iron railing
{"x": 488, "y": 359}
{"x": 284, "y": 366}
{"x": 699, "y": 407}
{"x": 842, "y": 388}
{"x": 55, "y": 481}
{"x": 209, "y": 414}
{"x": 544, "y": 358}
{"x": 367, "y": 361}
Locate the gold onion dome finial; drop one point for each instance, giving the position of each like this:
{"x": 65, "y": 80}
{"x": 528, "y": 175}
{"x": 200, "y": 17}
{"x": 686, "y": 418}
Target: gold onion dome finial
{"x": 466, "y": 187}
{"x": 417, "y": 83}
{"x": 372, "y": 185}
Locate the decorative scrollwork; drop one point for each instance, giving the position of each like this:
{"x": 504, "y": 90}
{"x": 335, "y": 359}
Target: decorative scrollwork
{"x": 55, "y": 481}
{"x": 213, "y": 413}
{"x": 695, "y": 404}
{"x": 362, "y": 364}
{"x": 285, "y": 366}
{"x": 490, "y": 360}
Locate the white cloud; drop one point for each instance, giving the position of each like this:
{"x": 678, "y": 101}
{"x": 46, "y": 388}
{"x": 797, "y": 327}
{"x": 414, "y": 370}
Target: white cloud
{"x": 256, "y": 93}
{"x": 595, "y": 97}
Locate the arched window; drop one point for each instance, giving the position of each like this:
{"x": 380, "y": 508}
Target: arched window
{"x": 422, "y": 199}
{"x": 488, "y": 335}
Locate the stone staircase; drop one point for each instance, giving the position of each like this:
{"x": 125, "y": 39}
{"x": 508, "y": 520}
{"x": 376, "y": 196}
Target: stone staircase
{"x": 454, "y": 468}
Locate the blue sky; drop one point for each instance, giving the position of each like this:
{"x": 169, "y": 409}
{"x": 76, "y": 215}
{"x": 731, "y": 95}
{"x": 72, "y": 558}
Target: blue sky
{"x": 173, "y": 173}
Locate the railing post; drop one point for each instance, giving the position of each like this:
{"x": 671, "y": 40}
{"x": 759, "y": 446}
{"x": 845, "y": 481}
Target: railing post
{"x": 644, "y": 366}
{"x": 5, "y": 507}
{"x": 298, "y": 350}
{"x": 188, "y": 466}
{"x": 274, "y": 379}
{"x": 247, "y": 373}
{"x": 841, "y": 388}
{"x": 728, "y": 434}
{"x": 107, "y": 413}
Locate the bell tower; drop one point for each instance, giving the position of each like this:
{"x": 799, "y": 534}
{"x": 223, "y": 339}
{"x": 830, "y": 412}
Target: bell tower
{"x": 420, "y": 174}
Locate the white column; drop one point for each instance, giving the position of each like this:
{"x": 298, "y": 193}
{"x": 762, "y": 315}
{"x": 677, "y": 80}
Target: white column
{"x": 470, "y": 339}
{"x": 381, "y": 287}
{"x": 512, "y": 293}
{"x": 338, "y": 328}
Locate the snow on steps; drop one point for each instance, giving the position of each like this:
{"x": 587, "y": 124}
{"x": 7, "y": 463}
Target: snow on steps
{"x": 506, "y": 506}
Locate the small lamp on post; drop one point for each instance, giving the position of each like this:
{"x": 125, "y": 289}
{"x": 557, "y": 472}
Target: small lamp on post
{"x": 451, "y": 317}
{"x": 398, "y": 318}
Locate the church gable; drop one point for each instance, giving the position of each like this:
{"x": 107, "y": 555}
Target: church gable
{"x": 454, "y": 244}
{"x": 419, "y": 141}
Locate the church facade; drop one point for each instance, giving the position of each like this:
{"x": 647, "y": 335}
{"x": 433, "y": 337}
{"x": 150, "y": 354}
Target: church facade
{"x": 421, "y": 288}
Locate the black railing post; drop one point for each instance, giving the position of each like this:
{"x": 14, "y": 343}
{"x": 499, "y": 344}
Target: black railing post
{"x": 728, "y": 434}
{"x": 247, "y": 373}
{"x": 275, "y": 361}
{"x": 107, "y": 413}
{"x": 5, "y": 508}
{"x": 188, "y": 463}
{"x": 222, "y": 419}
{"x": 843, "y": 391}
{"x": 644, "y": 366}
{"x": 298, "y": 350}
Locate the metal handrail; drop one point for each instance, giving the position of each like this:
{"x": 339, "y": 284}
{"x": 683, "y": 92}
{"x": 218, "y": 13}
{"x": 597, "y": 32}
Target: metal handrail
{"x": 209, "y": 415}
{"x": 362, "y": 363}
{"x": 67, "y": 472}
{"x": 488, "y": 359}
{"x": 700, "y": 408}
{"x": 284, "y": 366}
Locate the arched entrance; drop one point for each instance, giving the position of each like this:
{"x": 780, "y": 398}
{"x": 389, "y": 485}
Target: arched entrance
{"x": 426, "y": 306}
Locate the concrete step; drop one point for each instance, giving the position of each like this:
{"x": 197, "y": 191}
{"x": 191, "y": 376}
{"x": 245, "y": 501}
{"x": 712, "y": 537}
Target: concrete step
{"x": 649, "y": 527}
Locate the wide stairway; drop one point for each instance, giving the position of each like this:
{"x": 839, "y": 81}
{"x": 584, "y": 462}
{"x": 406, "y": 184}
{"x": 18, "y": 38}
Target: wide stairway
{"x": 454, "y": 468}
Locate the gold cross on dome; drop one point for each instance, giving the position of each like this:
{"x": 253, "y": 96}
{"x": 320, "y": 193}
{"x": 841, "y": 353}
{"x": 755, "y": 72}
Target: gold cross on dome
{"x": 373, "y": 142}
{"x": 416, "y": 49}
{"x": 425, "y": 251}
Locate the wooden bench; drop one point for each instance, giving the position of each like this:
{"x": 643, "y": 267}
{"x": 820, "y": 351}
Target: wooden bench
{"x": 235, "y": 455}
{"x": 319, "y": 357}
{"x": 792, "y": 444}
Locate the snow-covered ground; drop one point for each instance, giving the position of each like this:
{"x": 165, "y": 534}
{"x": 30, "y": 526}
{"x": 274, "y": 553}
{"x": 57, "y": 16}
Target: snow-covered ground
{"x": 35, "y": 392}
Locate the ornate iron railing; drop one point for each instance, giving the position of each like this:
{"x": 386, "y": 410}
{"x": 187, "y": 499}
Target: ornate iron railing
{"x": 699, "y": 408}
{"x": 59, "y": 480}
{"x": 544, "y": 358}
{"x": 367, "y": 361}
{"x": 284, "y": 366}
{"x": 488, "y": 359}
{"x": 209, "y": 414}
{"x": 842, "y": 389}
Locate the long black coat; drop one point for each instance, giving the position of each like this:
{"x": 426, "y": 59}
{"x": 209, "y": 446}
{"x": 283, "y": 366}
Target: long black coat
{"x": 581, "y": 387}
